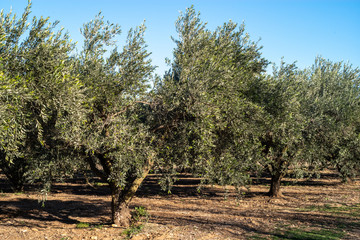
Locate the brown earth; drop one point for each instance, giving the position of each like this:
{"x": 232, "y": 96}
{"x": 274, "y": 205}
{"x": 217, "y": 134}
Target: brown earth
{"x": 213, "y": 213}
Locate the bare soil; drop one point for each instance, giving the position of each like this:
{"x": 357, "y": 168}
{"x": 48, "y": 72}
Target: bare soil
{"x": 212, "y": 213}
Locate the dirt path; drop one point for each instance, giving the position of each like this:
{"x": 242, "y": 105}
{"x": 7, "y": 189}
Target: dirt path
{"x": 316, "y": 207}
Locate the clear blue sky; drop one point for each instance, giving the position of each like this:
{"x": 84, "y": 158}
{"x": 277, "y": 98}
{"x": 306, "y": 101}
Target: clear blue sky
{"x": 296, "y": 30}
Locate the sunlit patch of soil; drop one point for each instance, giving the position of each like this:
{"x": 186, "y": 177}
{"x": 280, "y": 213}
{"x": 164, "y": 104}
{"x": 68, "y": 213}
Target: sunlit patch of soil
{"x": 212, "y": 213}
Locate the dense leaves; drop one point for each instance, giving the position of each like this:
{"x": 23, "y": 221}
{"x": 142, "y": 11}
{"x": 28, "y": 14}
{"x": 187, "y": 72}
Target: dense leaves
{"x": 113, "y": 139}
{"x": 332, "y": 109}
{"x": 39, "y": 97}
{"x": 202, "y": 113}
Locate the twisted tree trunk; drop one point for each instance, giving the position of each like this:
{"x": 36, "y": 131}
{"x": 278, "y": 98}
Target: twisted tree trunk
{"x": 120, "y": 212}
{"x": 121, "y": 198}
{"x": 278, "y": 171}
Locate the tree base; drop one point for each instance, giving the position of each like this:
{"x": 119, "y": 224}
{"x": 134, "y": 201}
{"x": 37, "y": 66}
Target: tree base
{"x": 122, "y": 217}
{"x": 275, "y": 195}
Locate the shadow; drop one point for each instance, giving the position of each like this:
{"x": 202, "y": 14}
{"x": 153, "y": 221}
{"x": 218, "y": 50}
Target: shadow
{"x": 235, "y": 220}
{"x": 299, "y": 182}
{"x": 6, "y": 187}
{"x": 232, "y": 220}
{"x": 236, "y": 232}
{"x": 317, "y": 182}
{"x": 81, "y": 189}
{"x": 53, "y": 210}
{"x": 186, "y": 186}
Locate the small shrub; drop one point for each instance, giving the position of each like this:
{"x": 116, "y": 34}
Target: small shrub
{"x": 133, "y": 230}
{"x": 140, "y": 214}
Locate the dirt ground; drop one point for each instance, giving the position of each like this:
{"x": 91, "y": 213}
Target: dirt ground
{"x": 320, "y": 206}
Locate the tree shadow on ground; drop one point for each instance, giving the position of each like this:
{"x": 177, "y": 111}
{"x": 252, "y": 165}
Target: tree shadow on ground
{"x": 234, "y": 219}
{"x": 53, "y": 210}
{"x": 81, "y": 189}
{"x": 242, "y": 220}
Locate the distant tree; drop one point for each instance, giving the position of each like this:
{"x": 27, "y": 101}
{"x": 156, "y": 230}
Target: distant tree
{"x": 332, "y": 105}
{"x": 310, "y": 120}
{"x": 282, "y": 123}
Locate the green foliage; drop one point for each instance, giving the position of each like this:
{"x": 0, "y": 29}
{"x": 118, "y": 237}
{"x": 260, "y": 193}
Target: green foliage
{"x": 113, "y": 139}
{"x": 39, "y": 98}
{"x": 88, "y": 225}
{"x": 115, "y": 85}
{"x": 133, "y": 230}
{"x": 332, "y": 107}
{"x": 204, "y": 121}
{"x": 141, "y": 214}
{"x": 214, "y": 113}
{"x": 82, "y": 225}
{"x": 281, "y": 123}
{"x": 309, "y": 119}
{"x": 353, "y": 210}
{"x": 60, "y": 113}
{"x": 301, "y": 234}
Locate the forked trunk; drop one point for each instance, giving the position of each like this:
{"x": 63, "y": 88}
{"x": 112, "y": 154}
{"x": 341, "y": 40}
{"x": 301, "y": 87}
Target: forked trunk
{"x": 121, "y": 198}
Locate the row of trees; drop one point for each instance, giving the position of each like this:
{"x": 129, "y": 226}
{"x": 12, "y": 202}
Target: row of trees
{"x": 216, "y": 112}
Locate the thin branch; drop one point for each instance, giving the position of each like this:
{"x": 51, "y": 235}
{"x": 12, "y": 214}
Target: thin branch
{"x": 122, "y": 111}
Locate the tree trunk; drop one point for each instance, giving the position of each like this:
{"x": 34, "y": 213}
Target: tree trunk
{"x": 121, "y": 198}
{"x": 275, "y": 185}
{"x": 278, "y": 171}
{"x": 120, "y": 212}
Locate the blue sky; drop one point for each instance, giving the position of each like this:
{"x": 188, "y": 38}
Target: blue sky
{"x": 296, "y": 30}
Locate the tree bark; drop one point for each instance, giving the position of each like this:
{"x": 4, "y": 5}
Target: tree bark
{"x": 121, "y": 198}
{"x": 120, "y": 212}
{"x": 275, "y": 185}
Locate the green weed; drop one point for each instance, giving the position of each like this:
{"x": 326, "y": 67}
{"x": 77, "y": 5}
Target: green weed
{"x": 82, "y": 225}
{"x": 140, "y": 214}
{"x": 257, "y": 237}
{"x": 97, "y": 226}
{"x": 99, "y": 184}
{"x": 352, "y": 210}
{"x": 133, "y": 230}
{"x": 88, "y": 225}
{"x": 301, "y": 234}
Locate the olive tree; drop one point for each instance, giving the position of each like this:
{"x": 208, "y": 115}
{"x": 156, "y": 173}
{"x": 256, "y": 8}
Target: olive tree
{"x": 112, "y": 139}
{"x": 204, "y": 120}
{"x": 310, "y": 120}
{"x": 332, "y": 106}
{"x": 59, "y": 111}
{"x": 38, "y": 98}
{"x": 282, "y": 123}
